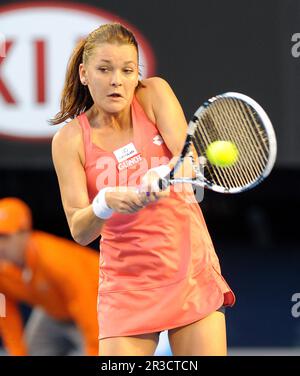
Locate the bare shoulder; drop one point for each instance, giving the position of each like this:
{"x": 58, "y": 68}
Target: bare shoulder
{"x": 69, "y": 132}
{"x": 151, "y": 93}
{"x": 154, "y": 81}
{"x": 68, "y": 139}
{"x": 156, "y": 85}
{"x": 166, "y": 111}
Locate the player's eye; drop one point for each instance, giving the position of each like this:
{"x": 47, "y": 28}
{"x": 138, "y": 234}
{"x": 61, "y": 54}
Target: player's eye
{"x": 128, "y": 70}
{"x": 103, "y": 69}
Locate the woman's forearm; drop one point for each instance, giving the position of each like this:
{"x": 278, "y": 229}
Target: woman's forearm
{"x": 85, "y": 226}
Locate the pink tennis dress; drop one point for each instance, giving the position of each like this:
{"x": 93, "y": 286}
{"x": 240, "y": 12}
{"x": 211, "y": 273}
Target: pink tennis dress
{"x": 158, "y": 267}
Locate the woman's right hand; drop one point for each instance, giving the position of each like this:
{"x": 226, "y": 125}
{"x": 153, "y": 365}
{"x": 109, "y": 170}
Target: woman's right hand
{"x": 126, "y": 199}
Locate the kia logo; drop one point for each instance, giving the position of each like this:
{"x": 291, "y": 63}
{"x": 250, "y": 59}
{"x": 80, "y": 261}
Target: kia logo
{"x": 36, "y": 41}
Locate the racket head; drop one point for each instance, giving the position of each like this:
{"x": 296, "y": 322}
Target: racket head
{"x": 237, "y": 118}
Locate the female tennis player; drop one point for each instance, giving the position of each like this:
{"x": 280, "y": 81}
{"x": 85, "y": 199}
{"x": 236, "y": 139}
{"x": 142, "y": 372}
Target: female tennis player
{"x": 158, "y": 267}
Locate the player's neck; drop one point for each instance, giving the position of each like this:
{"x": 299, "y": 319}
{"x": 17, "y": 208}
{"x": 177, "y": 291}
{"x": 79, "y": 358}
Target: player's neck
{"x": 120, "y": 121}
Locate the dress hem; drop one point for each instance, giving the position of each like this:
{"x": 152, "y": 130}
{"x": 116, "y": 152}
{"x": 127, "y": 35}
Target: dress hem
{"x": 158, "y": 330}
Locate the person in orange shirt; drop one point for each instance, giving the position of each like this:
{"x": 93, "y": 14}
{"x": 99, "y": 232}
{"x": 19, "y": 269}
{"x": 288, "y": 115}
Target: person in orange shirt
{"x": 56, "y": 277}
{"x": 158, "y": 267}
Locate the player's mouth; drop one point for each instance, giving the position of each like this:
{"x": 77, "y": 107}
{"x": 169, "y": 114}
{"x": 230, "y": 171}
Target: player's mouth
{"x": 115, "y": 95}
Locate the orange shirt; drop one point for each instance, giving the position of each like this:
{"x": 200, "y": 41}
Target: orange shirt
{"x": 61, "y": 277}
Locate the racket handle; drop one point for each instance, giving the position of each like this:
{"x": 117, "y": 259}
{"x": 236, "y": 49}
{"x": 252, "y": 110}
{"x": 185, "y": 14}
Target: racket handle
{"x": 163, "y": 184}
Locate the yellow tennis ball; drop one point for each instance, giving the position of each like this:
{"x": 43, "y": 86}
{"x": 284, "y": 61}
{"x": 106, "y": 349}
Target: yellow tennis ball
{"x": 222, "y": 153}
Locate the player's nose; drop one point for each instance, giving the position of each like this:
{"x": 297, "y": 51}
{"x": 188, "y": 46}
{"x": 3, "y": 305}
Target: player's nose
{"x": 116, "y": 79}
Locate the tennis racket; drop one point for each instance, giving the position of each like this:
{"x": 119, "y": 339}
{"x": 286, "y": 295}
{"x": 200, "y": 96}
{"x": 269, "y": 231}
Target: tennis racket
{"x": 230, "y": 117}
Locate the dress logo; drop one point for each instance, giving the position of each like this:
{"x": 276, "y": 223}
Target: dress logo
{"x": 125, "y": 152}
{"x": 157, "y": 140}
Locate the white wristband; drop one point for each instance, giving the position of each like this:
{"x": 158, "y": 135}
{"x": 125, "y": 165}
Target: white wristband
{"x": 99, "y": 205}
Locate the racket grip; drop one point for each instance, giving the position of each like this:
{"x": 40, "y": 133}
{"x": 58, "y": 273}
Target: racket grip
{"x": 163, "y": 184}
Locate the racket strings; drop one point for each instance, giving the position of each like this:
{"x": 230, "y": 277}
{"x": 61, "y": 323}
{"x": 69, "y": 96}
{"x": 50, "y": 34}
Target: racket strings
{"x": 240, "y": 174}
{"x": 213, "y": 173}
{"x": 261, "y": 133}
{"x": 242, "y": 137}
{"x": 253, "y": 132}
{"x": 233, "y": 120}
{"x": 199, "y": 137}
{"x": 247, "y": 139}
{"x": 216, "y": 174}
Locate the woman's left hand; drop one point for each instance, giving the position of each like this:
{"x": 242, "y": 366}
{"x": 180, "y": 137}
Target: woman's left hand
{"x": 149, "y": 190}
